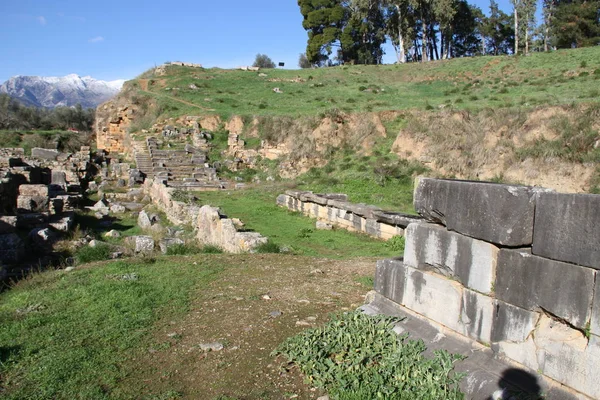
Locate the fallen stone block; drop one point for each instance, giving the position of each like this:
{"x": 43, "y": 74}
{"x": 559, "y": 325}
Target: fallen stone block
{"x": 42, "y": 238}
{"x": 142, "y": 244}
{"x": 395, "y": 218}
{"x": 62, "y": 223}
{"x": 533, "y": 282}
{"x": 323, "y": 226}
{"x": 144, "y": 221}
{"x": 34, "y": 190}
{"x": 44, "y": 154}
{"x": 431, "y": 247}
{"x": 567, "y": 228}
{"x": 32, "y": 204}
{"x": 501, "y": 214}
{"x": 29, "y": 221}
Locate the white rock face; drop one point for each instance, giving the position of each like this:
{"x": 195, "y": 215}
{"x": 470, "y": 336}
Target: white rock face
{"x": 64, "y": 91}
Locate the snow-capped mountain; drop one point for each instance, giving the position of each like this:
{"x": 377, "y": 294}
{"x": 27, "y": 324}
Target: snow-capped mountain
{"x": 67, "y": 91}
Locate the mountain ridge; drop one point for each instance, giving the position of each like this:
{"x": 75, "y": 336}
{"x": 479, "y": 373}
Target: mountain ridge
{"x": 65, "y": 91}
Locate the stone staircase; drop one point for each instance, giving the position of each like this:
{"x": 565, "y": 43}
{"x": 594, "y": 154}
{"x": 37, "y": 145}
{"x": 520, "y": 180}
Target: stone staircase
{"x": 143, "y": 161}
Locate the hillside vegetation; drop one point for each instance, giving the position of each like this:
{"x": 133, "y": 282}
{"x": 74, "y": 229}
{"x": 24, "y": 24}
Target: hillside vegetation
{"x": 560, "y": 77}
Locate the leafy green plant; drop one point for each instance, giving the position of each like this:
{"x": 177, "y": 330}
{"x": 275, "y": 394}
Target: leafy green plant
{"x": 88, "y": 254}
{"x": 355, "y": 356}
{"x": 268, "y": 247}
{"x": 210, "y": 249}
{"x": 396, "y": 244}
{"x": 182, "y": 249}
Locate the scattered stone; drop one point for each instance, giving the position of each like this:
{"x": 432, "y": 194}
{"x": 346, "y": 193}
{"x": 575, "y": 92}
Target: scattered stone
{"x": 316, "y": 271}
{"x": 277, "y": 90}
{"x": 266, "y": 297}
{"x": 44, "y": 154}
{"x": 326, "y": 397}
{"x": 31, "y": 308}
{"x": 275, "y": 314}
{"x": 130, "y": 276}
{"x": 62, "y": 223}
{"x": 117, "y": 208}
{"x": 144, "y": 220}
{"x": 121, "y": 183}
{"x": 69, "y": 269}
{"x": 324, "y": 226}
{"x": 142, "y": 244}
{"x": 8, "y": 224}
{"x": 116, "y": 255}
{"x": 112, "y": 234}
{"x": 92, "y": 186}
{"x": 212, "y": 346}
{"x": 95, "y": 243}
{"x": 42, "y": 237}
{"x": 302, "y": 323}
{"x": 311, "y": 319}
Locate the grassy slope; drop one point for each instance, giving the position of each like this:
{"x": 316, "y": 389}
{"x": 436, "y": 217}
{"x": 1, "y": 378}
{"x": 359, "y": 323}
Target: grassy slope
{"x": 560, "y": 77}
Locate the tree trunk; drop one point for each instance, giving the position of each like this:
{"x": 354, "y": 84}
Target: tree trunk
{"x": 516, "y": 31}
{"x": 424, "y": 41}
{"x": 527, "y": 35}
{"x": 401, "y": 52}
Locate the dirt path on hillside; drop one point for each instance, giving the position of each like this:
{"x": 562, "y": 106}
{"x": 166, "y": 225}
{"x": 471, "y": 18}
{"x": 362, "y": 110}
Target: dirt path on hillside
{"x": 254, "y": 307}
{"x": 174, "y": 99}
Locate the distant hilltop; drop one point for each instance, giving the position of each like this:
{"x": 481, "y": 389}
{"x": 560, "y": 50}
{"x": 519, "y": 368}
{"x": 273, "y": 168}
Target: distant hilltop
{"x": 70, "y": 90}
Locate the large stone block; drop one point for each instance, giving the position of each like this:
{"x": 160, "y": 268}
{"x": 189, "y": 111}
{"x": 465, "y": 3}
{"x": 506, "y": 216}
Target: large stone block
{"x": 44, "y": 154}
{"x": 567, "y": 228}
{"x": 595, "y": 323}
{"x": 396, "y": 218}
{"x": 477, "y": 316}
{"x": 32, "y": 204}
{"x": 501, "y": 214}
{"x": 33, "y": 190}
{"x": 432, "y": 247}
{"x": 390, "y": 276}
{"x": 512, "y": 324}
{"x": 8, "y": 224}
{"x": 532, "y": 282}
{"x": 434, "y": 296}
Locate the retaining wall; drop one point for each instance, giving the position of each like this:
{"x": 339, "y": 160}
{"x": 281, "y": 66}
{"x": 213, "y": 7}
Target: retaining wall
{"x": 210, "y": 224}
{"x": 512, "y": 267}
{"x": 336, "y": 210}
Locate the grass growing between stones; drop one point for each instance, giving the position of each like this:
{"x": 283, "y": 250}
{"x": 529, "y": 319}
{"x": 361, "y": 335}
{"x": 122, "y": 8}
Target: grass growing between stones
{"x": 257, "y": 209}
{"x": 355, "y": 356}
{"x": 67, "y": 335}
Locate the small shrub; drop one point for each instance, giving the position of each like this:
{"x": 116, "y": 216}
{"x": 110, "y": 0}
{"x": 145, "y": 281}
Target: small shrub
{"x": 583, "y": 64}
{"x": 268, "y": 247}
{"x": 396, "y": 243}
{"x": 428, "y": 106}
{"x": 351, "y": 100}
{"x": 473, "y": 98}
{"x": 182, "y": 249}
{"x": 597, "y": 72}
{"x": 362, "y": 88}
{"x": 583, "y": 74}
{"x": 503, "y": 90}
{"x": 459, "y": 100}
{"x": 88, "y": 254}
{"x": 262, "y": 106}
{"x": 305, "y": 233}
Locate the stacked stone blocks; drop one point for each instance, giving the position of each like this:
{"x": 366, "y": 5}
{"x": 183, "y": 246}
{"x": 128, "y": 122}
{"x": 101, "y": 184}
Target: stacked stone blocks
{"x": 511, "y": 267}
{"x": 336, "y": 210}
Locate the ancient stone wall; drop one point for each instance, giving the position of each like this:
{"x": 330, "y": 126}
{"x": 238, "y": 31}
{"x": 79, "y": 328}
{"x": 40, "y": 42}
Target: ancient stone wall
{"x": 112, "y": 123}
{"x": 211, "y": 225}
{"x": 336, "y": 210}
{"x": 512, "y": 267}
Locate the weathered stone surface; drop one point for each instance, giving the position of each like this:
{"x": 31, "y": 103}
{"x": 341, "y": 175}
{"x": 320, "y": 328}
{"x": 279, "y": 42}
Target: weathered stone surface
{"x": 164, "y": 244}
{"x": 112, "y": 234}
{"x": 34, "y": 190}
{"x": 501, "y": 214}
{"x": 12, "y": 248}
{"x": 595, "y": 323}
{"x": 32, "y": 204}
{"x": 567, "y": 228}
{"x": 144, "y": 220}
{"x": 390, "y": 277}
{"x": 62, "y": 223}
{"x": 59, "y": 178}
{"x": 477, "y": 316}
{"x": 323, "y": 226}
{"x": 143, "y": 244}
{"x": 396, "y": 218}
{"x": 529, "y": 282}
{"x": 512, "y": 324}
{"x": 8, "y": 224}
{"x": 28, "y": 221}
{"x": 44, "y": 154}
{"x": 42, "y": 237}
{"x": 117, "y": 208}
{"x": 471, "y": 261}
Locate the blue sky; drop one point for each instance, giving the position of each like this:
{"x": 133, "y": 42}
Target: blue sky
{"x": 121, "y": 39}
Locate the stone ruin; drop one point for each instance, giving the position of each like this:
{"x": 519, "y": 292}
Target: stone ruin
{"x": 38, "y": 196}
{"x": 507, "y": 275}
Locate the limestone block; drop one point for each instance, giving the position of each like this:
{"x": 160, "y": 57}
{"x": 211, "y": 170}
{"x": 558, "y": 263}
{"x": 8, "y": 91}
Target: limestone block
{"x": 33, "y": 190}
{"x": 477, "y": 316}
{"x": 283, "y": 200}
{"x": 387, "y": 232}
{"x": 143, "y": 244}
{"x": 323, "y": 226}
{"x": 512, "y": 324}
{"x": 8, "y": 224}
{"x": 434, "y": 296}
{"x": 323, "y": 213}
{"x": 595, "y": 323}
{"x": 529, "y": 282}
{"x": 567, "y": 228}
{"x": 524, "y": 353}
{"x": 501, "y": 214}
{"x": 42, "y": 237}
{"x": 144, "y": 220}
{"x": 396, "y": 218}
{"x": 12, "y": 248}
{"x": 372, "y": 228}
{"x": 567, "y": 356}
{"x": 32, "y": 204}
{"x": 62, "y": 223}
{"x": 390, "y": 277}
{"x": 471, "y": 261}
{"x": 59, "y": 178}
{"x": 44, "y": 154}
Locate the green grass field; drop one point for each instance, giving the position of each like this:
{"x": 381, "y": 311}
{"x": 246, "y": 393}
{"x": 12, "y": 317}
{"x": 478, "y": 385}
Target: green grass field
{"x": 560, "y": 77}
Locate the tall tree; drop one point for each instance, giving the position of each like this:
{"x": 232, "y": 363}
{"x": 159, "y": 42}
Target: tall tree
{"x": 444, "y": 12}
{"x": 323, "y": 20}
{"x": 529, "y": 9}
{"x": 576, "y": 23}
{"x": 364, "y": 34}
{"x": 498, "y": 31}
{"x": 467, "y": 28}
{"x": 548, "y": 10}
{"x": 399, "y": 26}
{"x": 517, "y": 8}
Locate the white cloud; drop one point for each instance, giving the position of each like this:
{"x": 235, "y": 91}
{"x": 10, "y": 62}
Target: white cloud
{"x": 42, "y": 20}
{"x": 96, "y": 39}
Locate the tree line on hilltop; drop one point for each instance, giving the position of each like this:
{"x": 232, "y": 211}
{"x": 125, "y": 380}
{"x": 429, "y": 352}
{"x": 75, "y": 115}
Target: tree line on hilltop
{"x": 16, "y": 116}
{"x": 354, "y": 31}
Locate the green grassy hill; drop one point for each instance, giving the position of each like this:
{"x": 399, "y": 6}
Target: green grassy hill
{"x": 560, "y": 77}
